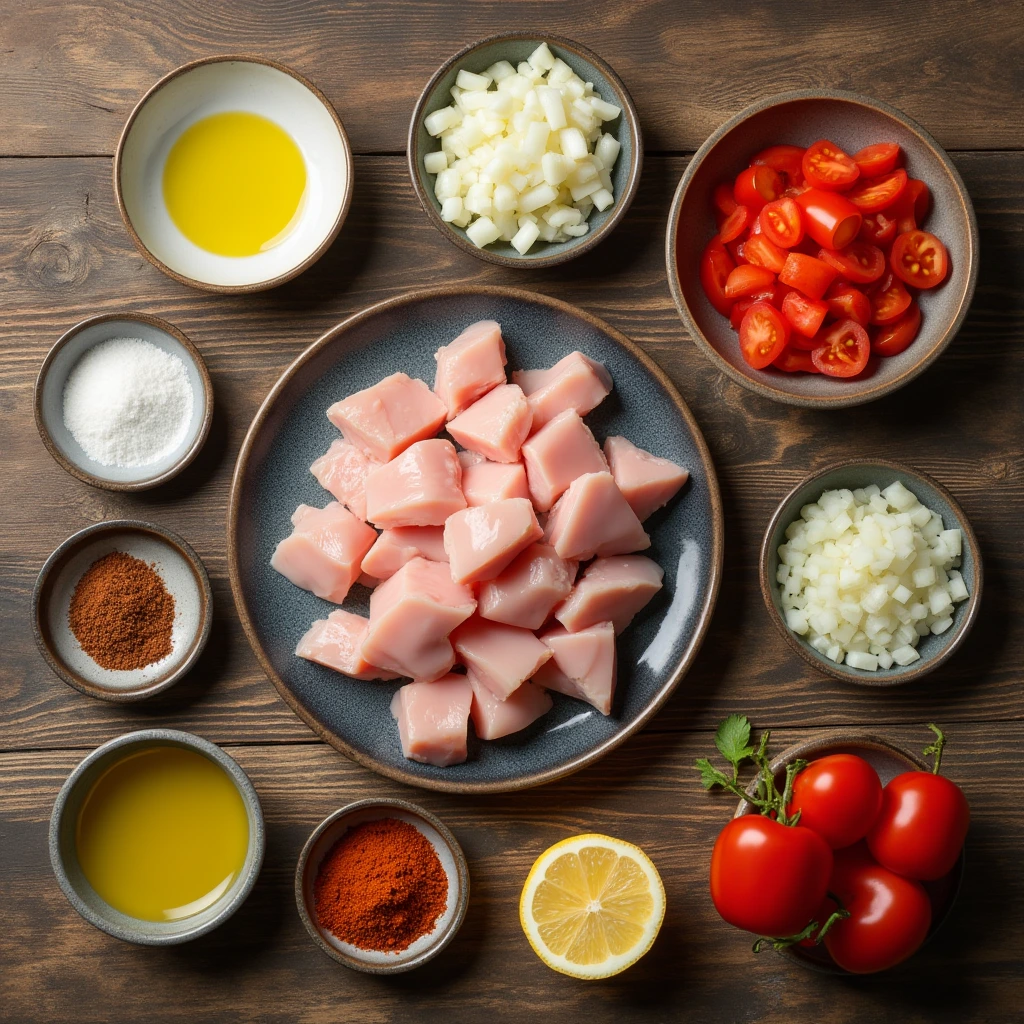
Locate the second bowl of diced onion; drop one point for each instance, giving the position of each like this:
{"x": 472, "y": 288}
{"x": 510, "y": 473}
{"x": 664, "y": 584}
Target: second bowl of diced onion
{"x": 525, "y": 149}
{"x": 871, "y": 572}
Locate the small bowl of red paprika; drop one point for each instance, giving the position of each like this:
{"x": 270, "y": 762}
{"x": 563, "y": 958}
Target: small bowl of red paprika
{"x": 822, "y": 249}
{"x": 382, "y": 886}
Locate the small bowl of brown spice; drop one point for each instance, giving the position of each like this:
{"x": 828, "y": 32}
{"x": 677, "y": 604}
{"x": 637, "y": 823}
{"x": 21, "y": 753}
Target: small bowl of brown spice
{"x": 122, "y": 610}
{"x": 382, "y": 886}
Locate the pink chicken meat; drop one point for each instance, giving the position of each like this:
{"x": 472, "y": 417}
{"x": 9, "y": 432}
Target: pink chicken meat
{"x": 493, "y": 718}
{"x": 593, "y": 518}
{"x": 420, "y": 487}
{"x": 563, "y": 449}
{"x": 484, "y": 481}
{"x": 574, "y": 382}
{"x": 335, "y": 643}
{"x": 525, "y": 593}
{"x": 470, "y": 366}
{"x": 393, "y": 548}
{"x": 647, "y": 481}
{"x": 495, "y": 426}
{"x": 342, "y": 470}
{"x": 611, "y": 590}
{"x": 583, "y": 666}
{"x": 502, "y": 657}
{"x": 433, "y": 720}
{"x": 481, "y": 541}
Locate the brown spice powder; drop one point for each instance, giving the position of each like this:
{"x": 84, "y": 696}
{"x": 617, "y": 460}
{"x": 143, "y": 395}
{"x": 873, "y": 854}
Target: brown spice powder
{"x": 121, "y": 613}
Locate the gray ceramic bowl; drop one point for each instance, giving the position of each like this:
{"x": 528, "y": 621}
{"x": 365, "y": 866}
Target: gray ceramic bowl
{"x": 81, "y": 894}
{"x": 934, "y": 650}
{"x": 851, "y": 121}
{"x": 516, "y": 47}
{"x": 49, "y": 396}
{"x": 888, "y": 760}
{"x": 183, "y": 574}
{"x": 453, "y": 860}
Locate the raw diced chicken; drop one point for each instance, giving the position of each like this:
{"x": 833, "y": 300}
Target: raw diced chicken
{"x": 433, "y": 719}
{"x": 524, "y": 594}
{"x": 647, "y": 481}
{"x": 325, "y": 550}
{"x": 470, "y": 366}
{"x": 493, "y": 718}
{"x": 393, "y": 548}
{"x": 502, "y": 657}
{"x": 335, "y": 642}
{"x": 484, "y": 481}
{"x": 575, "y": 382}
{"x": 342, "y": 470}
{"x": 563, "y": 449}
{"x": 411, "y": 615}
{"x": 593, "y": 518}
{"x": 420, "y": 487}
{"x": 481, "y": 541}
{"x": 496, "y": 426}
{"x": 385, "y": 419}
{"x": 611, "y": 590}
{"x": 583, "y": 665}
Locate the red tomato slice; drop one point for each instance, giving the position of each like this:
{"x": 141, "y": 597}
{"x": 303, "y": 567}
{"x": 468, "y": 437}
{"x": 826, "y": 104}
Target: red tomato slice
{"x": 859, "y": 263}
{"x": 784, "y": 159}
{"x": 878, "y": 228}
{"x": 739, "y": 308}
{"x": 922, "y": 197}
{"x": 736, "y": 223}
{"x": 782, "y": 222}
{"x": 848, "y": 303}
{"x": 805, "y": 315}
{"x": 715, "y": 267}
{"x": 826, "y": 166}
{"x": 843, "y": 350}
{"x": 735, "y": 250}
{"x": 878, "y": 193}
{"x": 893, "y": 338}
{"x": 911, "y": 209}
{"x": 878, "y": 158}
{"x": 830, "y": 219}
{"x": 763, "y": 334}
{"x": 722, "y": 199}
{"x": 762, "y": 252}
{"x": 747, "y": 279}
{"x": 756, "y": 186}
{"x": 888, "y": 304}
{"x": 795, "y": 360}
{"x": 807, "y": 274}
{"x": 920, "y": 259}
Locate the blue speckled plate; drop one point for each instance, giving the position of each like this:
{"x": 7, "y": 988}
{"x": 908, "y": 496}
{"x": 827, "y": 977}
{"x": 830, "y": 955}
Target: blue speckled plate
{"x": 272, "y": 477}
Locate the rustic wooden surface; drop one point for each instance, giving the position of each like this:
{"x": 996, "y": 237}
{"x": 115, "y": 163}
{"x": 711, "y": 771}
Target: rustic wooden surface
{"x": 69, "y": 74}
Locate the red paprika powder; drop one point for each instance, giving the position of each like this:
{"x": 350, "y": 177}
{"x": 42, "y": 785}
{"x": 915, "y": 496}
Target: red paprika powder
{"x": 381, "y": 886}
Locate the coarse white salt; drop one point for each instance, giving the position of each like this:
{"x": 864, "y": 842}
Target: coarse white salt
{"x": 128, "y": 403}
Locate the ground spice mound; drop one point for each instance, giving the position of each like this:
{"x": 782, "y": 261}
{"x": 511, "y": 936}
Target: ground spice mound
{"x": 121, "y": 613}
{"x": 381, "y": 886}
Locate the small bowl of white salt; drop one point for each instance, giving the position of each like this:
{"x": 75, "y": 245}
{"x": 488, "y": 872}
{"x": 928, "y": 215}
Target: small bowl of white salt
{"x": 123, "y": 401}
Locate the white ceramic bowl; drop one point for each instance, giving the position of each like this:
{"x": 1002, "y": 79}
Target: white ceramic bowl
{"x": 216, "y": 85}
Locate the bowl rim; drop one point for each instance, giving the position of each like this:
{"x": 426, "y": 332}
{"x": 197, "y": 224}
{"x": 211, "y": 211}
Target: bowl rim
{"x": 886, "y": 678}
{"x": 41, "y": 597}
{"x": 302, "y": 867}
{"x": 256, "y": 286}
{"x": 703, "y": 620}
{"x": 840, "y": 400}
{"x": 85, "y": 475}
{"x": 161, "y": 737}
{"x": 622, "y": 202}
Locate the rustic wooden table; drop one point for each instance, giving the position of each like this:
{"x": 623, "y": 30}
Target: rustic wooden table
{"x": 70, "y": 73}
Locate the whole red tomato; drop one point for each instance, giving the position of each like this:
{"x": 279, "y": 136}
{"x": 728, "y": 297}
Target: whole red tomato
{"x": 769, "y": 878}
{"x": 839, "y": 797}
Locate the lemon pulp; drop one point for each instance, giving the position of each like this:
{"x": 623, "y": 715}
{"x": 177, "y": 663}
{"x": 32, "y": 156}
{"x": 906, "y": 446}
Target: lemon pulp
{"x": 162, "y": 834}
{"x": 233, "y": 183}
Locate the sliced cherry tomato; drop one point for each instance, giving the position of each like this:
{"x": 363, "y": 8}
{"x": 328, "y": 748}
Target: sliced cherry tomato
{"x": 911, "y": 209}
{"x": 838, "y": 796}
{"x": 830, "y": 219}
{"x": 878, "y": 193}
{"x": 747, "y": 279}
{"x": 919, "y": 192}
{"x": 859, "y": 262}
{"x": 756, "y": 186}
{"x": 805, "y": 315}
{"x": 739, "y": 307}
{"x": 888, "y": 304}
{"x": 795, "y": 360}
{"x": 764, "y": 332}
{"x": 722, "y": 199}
{"x": 782, "y": 222}
{"x": 736, "y": 223}
{"x": 826, "y": 166}
{"x": 848, "y": 303}
{"x": 807, "y": 274}
{"x": 843, "y": 350}
{"x": 784, "y": 159}
{"x": 919, "y": 258}
{"x": 894, "y": 338}
{"x": 878, "y": 228}
{"x": 762, "y": 252}
{"x": 878, "y": 158}
{"x": 735, "y": 250}
{"x": 715, "y": 267}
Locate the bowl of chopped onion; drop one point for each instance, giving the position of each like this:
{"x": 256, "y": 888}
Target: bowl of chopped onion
{"x": 524, "y": 149}
{"x": 871, "y": 572}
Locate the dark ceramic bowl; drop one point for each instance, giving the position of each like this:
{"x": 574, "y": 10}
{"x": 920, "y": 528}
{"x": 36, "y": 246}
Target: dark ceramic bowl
{"x": 272, "y": 476}
{"x": 934, "y": 650}
{"x": 516, "y": 47}
{"x": 888, "y": 760}
{"x": 851, "y": 121}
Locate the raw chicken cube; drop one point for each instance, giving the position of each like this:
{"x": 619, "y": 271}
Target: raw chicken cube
{"x": 470, "y": 366}
{"x": 393, "y": 548}
{"x": 342, "y": 470}
{"x": 335, "y": 642}
{"x": 493, "y": 718}
{"x": 411, "y": 615}
{"x": 611, "y": 590}
{"x": 481, "y": 541}
{"x": 496, "y": 426}
{"x": 647, "y": 481}
{"x": 484, "y": 481}
{"x": 563, "y": 449}
{"x": 583, "y": 665}
{"x": 433, "y": 719}
{"x": 385, "y": 419}
{"x": 593, "y": 518}
{"x": 525, "y": 593}
{"x": 325, "y": 550}
{"x": 502, "y": 657}
{"x": 420, "y": 487}
{"x": 575, "y": 382}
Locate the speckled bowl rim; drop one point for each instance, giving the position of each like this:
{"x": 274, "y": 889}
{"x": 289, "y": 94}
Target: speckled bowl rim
{"x": 622, "y": 201}
{"x": 40, "y": 595}
{"x": 91, "y": 478}
{"x": 256, "y": 286}
{"x": 461, "y": 883}
{"x": 161, "y": 737}
{"x": 869, "y": 392}
{"x": 878, "y": 678}
{"x": 834, "y": 741}
{"x": 703, "y": 619}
